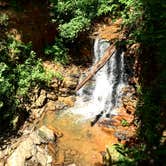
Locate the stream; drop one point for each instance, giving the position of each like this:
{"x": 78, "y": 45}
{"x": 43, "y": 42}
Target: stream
{"x": 84, "y": 140}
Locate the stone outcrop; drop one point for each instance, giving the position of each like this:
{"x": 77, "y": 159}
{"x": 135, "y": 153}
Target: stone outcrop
{"x": 109, "y": 30}
{"x": 60, "y": 93}
{"x": 33, "y": 149}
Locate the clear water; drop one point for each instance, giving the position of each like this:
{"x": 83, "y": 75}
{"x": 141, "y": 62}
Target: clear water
{"x": 80, "y": 144}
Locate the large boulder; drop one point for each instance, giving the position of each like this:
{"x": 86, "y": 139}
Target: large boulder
{"x": 29, "y": 150}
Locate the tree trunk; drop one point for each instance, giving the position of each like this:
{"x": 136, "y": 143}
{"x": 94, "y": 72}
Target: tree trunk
{"x": 97, "y": 66}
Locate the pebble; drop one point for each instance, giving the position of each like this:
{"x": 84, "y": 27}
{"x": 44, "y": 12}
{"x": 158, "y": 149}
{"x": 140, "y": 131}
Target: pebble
{"x": 72, "y": 164}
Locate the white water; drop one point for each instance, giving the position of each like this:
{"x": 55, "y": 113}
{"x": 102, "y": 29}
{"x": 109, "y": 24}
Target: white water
{"x": 103, "y": 94}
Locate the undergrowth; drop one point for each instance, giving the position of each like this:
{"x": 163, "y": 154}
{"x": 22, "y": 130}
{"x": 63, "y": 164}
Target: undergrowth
{"x": 20, "y": 71}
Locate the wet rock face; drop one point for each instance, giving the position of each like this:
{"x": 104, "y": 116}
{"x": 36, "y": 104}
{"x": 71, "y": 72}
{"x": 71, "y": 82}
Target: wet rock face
{"x": 52, "y": 96}
{"x": 51, "y": 105}
{"x": 67, "y": 157}
{"x": 132, "y": 64}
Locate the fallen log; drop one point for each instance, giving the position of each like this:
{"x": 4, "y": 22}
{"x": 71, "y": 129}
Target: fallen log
{"x": 97, "y": 66}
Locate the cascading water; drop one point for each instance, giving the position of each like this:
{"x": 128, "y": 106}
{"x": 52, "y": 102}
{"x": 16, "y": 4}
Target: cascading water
{"x": 102, "y": 96}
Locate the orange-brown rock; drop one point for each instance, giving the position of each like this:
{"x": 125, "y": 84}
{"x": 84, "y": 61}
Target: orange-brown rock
{"x": 111, "y": 30}
{"x": 50, "y": 106}
{"x": 67, "y": 100}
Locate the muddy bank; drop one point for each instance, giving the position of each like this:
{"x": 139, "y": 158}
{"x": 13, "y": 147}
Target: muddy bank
{"x": 29, "y": 21}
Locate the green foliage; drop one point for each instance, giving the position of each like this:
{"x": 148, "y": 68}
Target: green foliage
{"x": 30, "y": 73}
{"x": 149, "y": 114}
{"x": 3, "y": 20}
{"x": 111, "y": 7}
{"x": 121, "y": 155}
{"x": 132, "y": 10}
{"x": 20, "y": 70}
{"x": 58, "y": 75}
{"x": 124, "y": 123}
{"x": 130, "y": 156}
{"x": 70, "y": 30}
{"x": 74, "y": 17}
{"x": 139, "y": 89}
{"x": 58, "y": 51}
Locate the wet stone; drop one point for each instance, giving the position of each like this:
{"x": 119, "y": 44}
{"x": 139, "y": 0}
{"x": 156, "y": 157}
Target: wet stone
{"x": 72, "y": 164}
{"x": 60, "y": 105}
{"x": 69, "y": 101}
{"x": 67, "y": 152}
{"x": 54, "y": 84}
{"x": 51, "y": 105}
{"x": 41, "y": 158}
{"x": 46, "y": 133}
{"x": 73, "y": 152}
{"x": 70, "y": 82}
{"x": 1, "y": 154}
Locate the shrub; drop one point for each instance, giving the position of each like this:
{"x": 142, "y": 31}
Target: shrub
{"x": 20, "y": 71}
{"x": 70, "y": 30}
{"x": 58, "y": 51}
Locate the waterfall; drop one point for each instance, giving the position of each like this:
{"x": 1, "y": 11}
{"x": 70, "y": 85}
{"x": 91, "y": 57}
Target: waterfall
{"x": 102, "y": 95}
